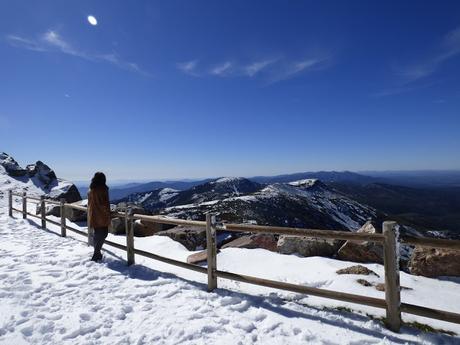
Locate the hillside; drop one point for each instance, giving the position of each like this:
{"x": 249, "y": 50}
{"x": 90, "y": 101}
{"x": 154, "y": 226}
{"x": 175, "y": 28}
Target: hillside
{"x": 424, "y": 208}
{"x": 304, "y": 203}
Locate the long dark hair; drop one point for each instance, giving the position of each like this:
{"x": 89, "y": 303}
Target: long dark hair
{"x": 98, "y": 181}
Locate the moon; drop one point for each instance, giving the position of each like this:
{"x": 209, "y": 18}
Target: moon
{"x": 92, "y": 20}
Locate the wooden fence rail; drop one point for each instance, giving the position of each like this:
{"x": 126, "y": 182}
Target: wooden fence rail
{"x": 389, "y": 240}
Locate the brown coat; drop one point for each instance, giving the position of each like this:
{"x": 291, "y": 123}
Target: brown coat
{"x": 99, "y": 207}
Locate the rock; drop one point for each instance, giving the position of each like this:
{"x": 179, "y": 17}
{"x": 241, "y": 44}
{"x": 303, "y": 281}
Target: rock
{"x": 117, "y": 226}
{"x": 192, "y": 237}
{"x": 263, "y": 241}
{"x": 362, "y": 251}
{"x": 435, "y": 262}
{"x": 143, "y": 228}
{"x": 307, "y": 246}
{"x": 75, "y": 215}
{"x": 42, "y": 172}
{"x": 357, "y": 269}
{"x": 198, "y": 257}
{"x": 363, "y": 282}
{"x": 69, "y": 194}
{"x": 11, "y": 166}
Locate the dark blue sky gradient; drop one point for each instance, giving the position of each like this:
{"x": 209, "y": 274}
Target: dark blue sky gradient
{"x": 172, "y": 89}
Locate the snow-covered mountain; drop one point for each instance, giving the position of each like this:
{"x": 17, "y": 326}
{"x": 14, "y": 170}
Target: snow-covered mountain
{"x": 36, "y": 179}
{"x": 303, "y": 203}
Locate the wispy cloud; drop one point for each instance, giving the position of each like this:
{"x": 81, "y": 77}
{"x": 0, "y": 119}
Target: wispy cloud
{"x": 252, "y": 69}
{"x": 222, "y": 69}
{"x": 52, "y": 41}
{"x": 189, "y": 67}
{"x": 449, "y": 48}
{"x": 271, "y": 69}
{"x": 293, "y": 69}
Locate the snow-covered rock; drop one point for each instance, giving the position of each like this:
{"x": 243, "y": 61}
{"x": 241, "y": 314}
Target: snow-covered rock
{"x": 37, "y": 179}
{"x": 11, "y": 167}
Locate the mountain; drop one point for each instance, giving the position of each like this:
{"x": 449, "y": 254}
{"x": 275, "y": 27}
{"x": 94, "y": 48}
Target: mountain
{"x": 37, "y": 179}
{"x": 419, "y": 178}
{"x": 423, "y": 208}
{"x": 305, "y": 203}
{"x": 217, "y": 189}
{"x": 118, "y": 193}
{"x": 325, "y": 176}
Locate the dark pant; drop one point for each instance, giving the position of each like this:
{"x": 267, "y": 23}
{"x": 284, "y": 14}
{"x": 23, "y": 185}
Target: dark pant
{"x": 99, "y": 236}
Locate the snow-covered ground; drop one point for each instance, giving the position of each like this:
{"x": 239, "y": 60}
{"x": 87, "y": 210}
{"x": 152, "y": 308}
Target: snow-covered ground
{"x": 51, "y": 294}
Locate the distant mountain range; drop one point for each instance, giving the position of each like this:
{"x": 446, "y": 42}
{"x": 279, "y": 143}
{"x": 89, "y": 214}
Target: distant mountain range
{"x": 304, "y": 203}
{"x": 433, "y": 207}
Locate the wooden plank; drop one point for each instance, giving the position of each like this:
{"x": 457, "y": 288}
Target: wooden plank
{"x": 43, "y": 211}
{"x": 129, "y": 228}
{"x": 54, "y": 202}
{"x": 430, "y": 313}
{"x": 431, "y": 242}
{"x": 53, "y": 222}
{"x": 341, "y": 296}
{"x": 211, "y": 251}
{"x": 24, "y": 205}
{"x": 38, "y": 198}
{"x": 331, "y": 234}
{"x": 79, "y": 232}
{"x": 192, "y": 267}
{"x": 63, "y": 219}
{"x": 77, "y": 207}
{"x": 166, "y": 220}
{"x": 10, "y": 203}
{"x": 33, "y": 215}
{"x": 392, "y": 285}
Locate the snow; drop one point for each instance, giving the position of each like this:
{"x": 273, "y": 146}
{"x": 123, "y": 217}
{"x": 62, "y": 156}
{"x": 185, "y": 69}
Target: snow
{"x": 304, "y": 183}
{"x": 52, "y": 294}
{"x": 167, "y": 193}
{"x": 228, "y": 179}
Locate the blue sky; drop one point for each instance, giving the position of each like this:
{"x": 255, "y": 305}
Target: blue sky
{"x": 184, "y": 89}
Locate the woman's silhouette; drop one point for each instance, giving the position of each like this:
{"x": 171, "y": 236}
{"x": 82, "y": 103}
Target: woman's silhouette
{"x": 99, "y": 212}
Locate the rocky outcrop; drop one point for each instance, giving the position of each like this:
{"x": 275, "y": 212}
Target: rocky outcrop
{"x": 362, "y": 251}
{"x": 75, "y": 215}
{"x": 307, "y": 246}
{"x": 11, "y": 166}
{"x": 435, "y": 262}
{"x": 42, "y": 172}
{"x": 191, "y": 237}
{"x": 357, "y": 269}
{"x": 263, "y": 241}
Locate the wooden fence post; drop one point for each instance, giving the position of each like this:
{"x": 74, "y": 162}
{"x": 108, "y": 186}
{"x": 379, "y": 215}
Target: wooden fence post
{"x": 129, "y": 227}
{"x": 10, "y": 203}
{"x": 24, "y": 205}
{"x": 392, "y": 286}
{"x": 63, "y": 218}
{"x": 211, "y": 249}
{"x": 90, "y": 229}
{"x": 43, "y": 211}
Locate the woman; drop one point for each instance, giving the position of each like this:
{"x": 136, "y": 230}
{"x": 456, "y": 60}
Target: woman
{"x": 98, "y": 212}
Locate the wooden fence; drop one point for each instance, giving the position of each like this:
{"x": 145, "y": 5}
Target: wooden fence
{"x": 389, "y": 239}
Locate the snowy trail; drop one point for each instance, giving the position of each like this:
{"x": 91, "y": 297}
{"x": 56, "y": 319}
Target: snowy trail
{"x": 51, "y": 294}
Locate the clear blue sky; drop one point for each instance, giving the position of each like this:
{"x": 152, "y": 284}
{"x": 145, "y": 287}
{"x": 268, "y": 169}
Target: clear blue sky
{"x": 173, "y": 89}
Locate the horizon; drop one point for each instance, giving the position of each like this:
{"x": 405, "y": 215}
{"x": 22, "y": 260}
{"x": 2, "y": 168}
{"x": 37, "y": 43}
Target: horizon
{"x": 180, "y": 90}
